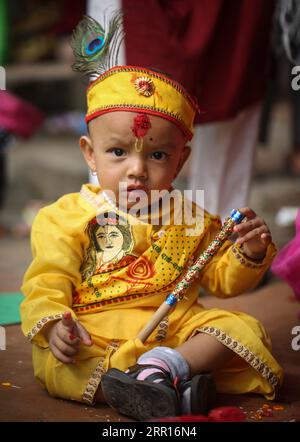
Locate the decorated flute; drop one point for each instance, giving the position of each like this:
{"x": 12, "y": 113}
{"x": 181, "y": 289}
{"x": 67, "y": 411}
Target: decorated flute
{"x": 191, "y": 274}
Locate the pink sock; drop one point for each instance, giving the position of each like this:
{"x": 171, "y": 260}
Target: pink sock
{"x": 148, "y": 371}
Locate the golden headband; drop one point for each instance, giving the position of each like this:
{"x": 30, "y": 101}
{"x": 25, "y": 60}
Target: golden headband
{"x": 137, "y": 89}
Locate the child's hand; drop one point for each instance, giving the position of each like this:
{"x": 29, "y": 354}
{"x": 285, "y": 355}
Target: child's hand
{"x": 65, "y": 336}
{"x": 254, "y": 234}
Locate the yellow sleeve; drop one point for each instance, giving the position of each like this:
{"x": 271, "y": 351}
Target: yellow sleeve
{"x": 54, "y": 271}
{"x": 230, "y": 272}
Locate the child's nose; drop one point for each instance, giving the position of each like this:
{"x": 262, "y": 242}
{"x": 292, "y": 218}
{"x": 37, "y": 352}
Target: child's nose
{"x": 137, "y": 168}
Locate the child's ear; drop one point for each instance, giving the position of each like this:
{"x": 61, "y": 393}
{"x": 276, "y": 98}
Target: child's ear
{"x": 86, "y": 147}
{"x": 184, "y": 156}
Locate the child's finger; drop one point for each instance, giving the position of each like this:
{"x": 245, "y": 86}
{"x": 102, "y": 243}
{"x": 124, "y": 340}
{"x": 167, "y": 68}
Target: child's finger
{"x": 83, "y": 334}
{"x": 60, "y": 356}
{"x": 266, "y": 238}
{"x": 252, "y": 234}
{"x": 67, "y": 321}
{"x": 66, "y": 349}
{"x": 68, "y": 336}
{"x": 246, "y": 226}
{"x": 249, "y": 213}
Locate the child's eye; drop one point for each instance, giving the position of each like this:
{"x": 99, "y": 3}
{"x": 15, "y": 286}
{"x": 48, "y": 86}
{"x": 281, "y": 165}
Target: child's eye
{"x": 159, "y": 155}
{"x": 117, "y": 151}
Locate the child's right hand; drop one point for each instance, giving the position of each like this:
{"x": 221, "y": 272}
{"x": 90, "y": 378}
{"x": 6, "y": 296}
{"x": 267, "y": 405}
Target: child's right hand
{"x": 65, "y": 336}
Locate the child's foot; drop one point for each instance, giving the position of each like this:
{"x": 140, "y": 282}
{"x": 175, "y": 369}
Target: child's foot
{"x": 156, "y": 396}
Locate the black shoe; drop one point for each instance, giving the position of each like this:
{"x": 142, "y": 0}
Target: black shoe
{"x": 141, "y": 400}
{"x": 203, "y": 392}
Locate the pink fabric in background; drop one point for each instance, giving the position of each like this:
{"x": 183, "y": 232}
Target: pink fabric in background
{"x": 18, "y": 116}
{"x": 287, "y": 263}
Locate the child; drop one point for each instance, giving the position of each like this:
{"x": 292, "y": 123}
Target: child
{"x": 99, "y": 273}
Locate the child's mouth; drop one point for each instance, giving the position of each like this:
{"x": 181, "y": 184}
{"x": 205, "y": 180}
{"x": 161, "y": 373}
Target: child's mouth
{"x": 137, "y": 191}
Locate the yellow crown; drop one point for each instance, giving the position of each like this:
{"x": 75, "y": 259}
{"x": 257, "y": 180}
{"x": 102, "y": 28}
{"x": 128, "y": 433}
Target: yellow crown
{"x": 138, "y": 89}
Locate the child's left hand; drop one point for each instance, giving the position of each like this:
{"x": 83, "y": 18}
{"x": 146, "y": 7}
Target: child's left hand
{"x": 254, "y": 234}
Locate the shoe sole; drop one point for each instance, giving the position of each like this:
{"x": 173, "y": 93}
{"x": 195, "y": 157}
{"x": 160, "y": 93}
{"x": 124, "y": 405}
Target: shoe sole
{"x": 203, "y": 393}
{"x": 141, "y": 400}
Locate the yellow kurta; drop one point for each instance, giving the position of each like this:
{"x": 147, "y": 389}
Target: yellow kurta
{"x": 113, "y": 278}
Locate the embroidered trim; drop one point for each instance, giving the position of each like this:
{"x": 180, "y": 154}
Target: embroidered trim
{"x": 175, "y": 118}
{"x": 244, "y": 260}
{"x": 244, "y": 352}
{"x": 40, "y": 324}
{"x": 95, "y": 379}
{"x": 162, "y": 329}
{"x": 93, "y": 383}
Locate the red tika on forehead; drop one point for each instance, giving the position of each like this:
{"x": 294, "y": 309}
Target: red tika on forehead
{"x": 141, "y": 125}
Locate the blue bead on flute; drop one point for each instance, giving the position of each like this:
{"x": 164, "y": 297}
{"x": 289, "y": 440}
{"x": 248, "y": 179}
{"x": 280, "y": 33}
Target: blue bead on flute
{"x": 237, "y": 216}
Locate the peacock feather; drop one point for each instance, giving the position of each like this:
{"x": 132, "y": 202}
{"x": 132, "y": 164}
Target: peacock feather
{"x": 96, "y": 48}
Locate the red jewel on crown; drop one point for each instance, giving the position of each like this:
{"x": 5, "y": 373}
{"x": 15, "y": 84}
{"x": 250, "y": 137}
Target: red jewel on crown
{"x": 144, "y": 86}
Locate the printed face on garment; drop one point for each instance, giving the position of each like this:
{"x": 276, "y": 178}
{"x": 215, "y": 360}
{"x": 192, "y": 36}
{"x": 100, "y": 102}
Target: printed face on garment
{"x": 109, "y": 239}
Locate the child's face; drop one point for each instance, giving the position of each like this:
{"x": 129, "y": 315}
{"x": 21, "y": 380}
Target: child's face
{"x": 110, "y": 150}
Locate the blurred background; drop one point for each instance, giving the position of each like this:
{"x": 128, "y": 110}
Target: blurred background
{"x": 40, "y": 156}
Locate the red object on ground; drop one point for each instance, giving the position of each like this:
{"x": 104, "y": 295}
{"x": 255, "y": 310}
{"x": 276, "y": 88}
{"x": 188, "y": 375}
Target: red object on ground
{"x": 227, "y": 414}
{"x": 220, "y": 414}
{"x": 17, "y": 116}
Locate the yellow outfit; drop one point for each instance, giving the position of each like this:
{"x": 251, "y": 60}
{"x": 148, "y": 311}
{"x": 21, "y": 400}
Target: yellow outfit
{"x": 139, "y": 266}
